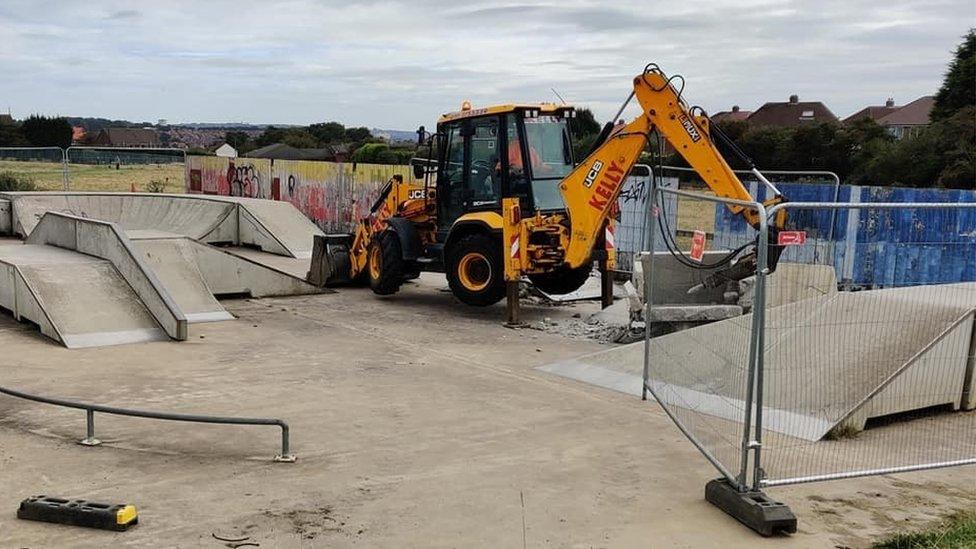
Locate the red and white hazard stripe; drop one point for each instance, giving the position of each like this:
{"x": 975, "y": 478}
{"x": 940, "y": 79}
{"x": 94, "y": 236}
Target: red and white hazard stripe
{"x": 513, "y": 248}
{"x": 608, "y": 237}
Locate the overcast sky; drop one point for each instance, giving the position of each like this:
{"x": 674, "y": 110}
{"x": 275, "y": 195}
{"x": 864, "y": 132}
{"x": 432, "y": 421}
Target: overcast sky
{"x": 397, "y": 64}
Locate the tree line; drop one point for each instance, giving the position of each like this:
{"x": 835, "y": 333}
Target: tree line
{"x": 862, "y": 152}
{"x": 36, "y": 131}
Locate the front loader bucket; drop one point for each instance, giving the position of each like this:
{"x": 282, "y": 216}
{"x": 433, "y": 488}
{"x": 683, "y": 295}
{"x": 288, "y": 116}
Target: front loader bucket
{"x": 330, "y": 260}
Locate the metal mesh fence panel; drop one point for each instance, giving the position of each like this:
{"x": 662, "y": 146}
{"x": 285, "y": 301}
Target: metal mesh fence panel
{"x": 124, "y": 156}
{"x": 125, "y": 169}
{"x": 32, "y": 168}
{"x": 697, "y": 350}
{"x": 859, "y": 380}
{"x": 632, "y": 234}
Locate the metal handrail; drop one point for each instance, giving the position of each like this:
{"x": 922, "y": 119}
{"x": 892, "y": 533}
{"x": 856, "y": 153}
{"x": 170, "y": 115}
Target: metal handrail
{"x": 285, "y": 456}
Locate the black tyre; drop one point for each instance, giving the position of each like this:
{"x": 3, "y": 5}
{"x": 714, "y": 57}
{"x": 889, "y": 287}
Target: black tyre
{"x": 475, "y": 271}
{"x": 384, "y": 264}
{"x": 562, "y": 280}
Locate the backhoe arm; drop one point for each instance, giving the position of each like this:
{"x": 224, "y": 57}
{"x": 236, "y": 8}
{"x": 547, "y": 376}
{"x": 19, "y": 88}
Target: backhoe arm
{"x": 591, "y": 190}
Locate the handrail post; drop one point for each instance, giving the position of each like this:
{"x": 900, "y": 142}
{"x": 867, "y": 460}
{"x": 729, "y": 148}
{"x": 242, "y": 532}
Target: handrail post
{"x": 285, "y": 456}
{"x": 90, "y": 440}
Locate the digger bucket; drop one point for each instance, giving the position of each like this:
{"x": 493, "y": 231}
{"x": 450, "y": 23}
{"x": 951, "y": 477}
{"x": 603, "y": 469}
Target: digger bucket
{"x": 330, "y": 260}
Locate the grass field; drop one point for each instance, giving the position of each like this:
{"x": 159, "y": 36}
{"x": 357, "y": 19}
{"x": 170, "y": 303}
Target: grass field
{"x": 47, "y": 176}
{"x": 695, "y": 215}
{"x": 958, "y": 531}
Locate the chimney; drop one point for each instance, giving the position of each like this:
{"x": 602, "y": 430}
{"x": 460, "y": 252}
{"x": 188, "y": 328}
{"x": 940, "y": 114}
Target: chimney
{"x": 794, "y": 99}
{"x": 890, "y": 102}
{"x": 735, "y": 108}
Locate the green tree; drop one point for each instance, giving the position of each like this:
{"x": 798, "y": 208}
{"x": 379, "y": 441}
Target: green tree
{"x": 42, "y": 131}
{"x": 240, "y": 141}
{"x": 12, "y": 135}
{"x": 270, "y": 136}
{"x": 584, "y": 130}
{"x": 299, "y": 138}
{"x": 358, "y": 135}
{"x": 959, "y": 86}
{"x": 328, "y": 132}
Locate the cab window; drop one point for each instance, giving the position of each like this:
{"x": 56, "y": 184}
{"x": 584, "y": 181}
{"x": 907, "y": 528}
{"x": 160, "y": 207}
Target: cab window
{"x": 550, "y": 156}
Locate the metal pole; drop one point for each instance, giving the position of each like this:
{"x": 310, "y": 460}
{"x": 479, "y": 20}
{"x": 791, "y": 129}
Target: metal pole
{"x": 512, "y": 303}
{"x": 90, "y": 440}
{"x": 759, "y": 326}
{"x": 65, "y": 179}
{"x": 648, "y": 270}
{"x": 754, "y": 350}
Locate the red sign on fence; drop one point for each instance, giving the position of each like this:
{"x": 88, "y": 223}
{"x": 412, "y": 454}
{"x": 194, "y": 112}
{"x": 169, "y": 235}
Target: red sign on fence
{"x": 697, "y": 245}
{"x": 791, "y": 238}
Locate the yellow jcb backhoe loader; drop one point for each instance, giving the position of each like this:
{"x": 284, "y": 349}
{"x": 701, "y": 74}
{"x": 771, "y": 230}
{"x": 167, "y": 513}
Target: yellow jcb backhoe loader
{"x": 503, "y": 198}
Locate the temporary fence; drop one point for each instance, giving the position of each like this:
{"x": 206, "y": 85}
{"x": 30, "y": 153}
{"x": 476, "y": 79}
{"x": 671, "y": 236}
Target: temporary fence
{"x": 790, "y": 376}
{"x": 47, "y": 168}
{"x": 31, "y": 165}
{"x": 898, "y": 360}
{"x": 865, "y": 245}
{"x": 632, "y": 234}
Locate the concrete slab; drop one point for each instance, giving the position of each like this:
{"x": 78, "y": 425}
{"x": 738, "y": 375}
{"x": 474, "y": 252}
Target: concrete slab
{"x": 175, "y": 263}
{"x": 418, "y": 422}
{"x": 106, "y": 240}
{"x": 78, "y": 300}
{"x": 829, "y": 360}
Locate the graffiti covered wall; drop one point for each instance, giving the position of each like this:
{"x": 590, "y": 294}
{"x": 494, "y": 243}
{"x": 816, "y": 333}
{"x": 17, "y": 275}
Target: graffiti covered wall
{"x": 333, "y": 195}
{"x": 228, "y": 176}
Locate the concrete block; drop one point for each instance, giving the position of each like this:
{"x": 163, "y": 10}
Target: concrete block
{"x": 693, "y": 313}
{"x": 6, "y": 221}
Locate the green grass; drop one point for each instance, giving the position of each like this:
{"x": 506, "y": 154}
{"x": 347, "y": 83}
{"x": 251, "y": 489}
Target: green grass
{"x": 957, "y": 531}
{"x": 47, "y": 176}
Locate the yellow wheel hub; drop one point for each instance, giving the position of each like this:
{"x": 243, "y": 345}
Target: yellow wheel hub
{"x": 474, "y": 271}
{"x": 375, "y": 262}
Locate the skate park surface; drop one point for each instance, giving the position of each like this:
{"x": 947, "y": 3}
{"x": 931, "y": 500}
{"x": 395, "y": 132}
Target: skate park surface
{"x": 417, "y": 422}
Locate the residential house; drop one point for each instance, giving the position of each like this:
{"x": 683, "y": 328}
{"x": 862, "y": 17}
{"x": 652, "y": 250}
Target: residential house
{"x": 735, "y": 114}
{"x": 281, "y": 151}
{"x": 127, "y": 137}
{"x": 908, "y": 121}
{"x": 791, "y": 114}
{"x": 226, "y": 150}
{"x": 874, "y": 112}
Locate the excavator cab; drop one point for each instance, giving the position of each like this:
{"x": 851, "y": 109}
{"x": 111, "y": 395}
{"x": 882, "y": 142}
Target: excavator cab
{"x": 486, "y": 155}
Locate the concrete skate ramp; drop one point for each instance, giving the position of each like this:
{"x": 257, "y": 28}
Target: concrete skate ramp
{"x": 106, "y": 241}
{"x": 221, "y": 270}
{"x": 175, "y": 263}
{"x": 830, "y": 360}
{"x": 272, "y": 226}
{"x": 75, "y": 299}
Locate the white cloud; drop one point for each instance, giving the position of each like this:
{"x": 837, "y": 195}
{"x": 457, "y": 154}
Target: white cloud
{"x": 398, "y": 64}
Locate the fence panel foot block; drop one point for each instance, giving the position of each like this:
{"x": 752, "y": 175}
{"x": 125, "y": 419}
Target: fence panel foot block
{"x": 754, "y": 509}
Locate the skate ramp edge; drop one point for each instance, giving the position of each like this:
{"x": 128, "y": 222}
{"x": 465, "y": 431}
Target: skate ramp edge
{"x": 275, "y": 227}
{"x": 107, "y": 241}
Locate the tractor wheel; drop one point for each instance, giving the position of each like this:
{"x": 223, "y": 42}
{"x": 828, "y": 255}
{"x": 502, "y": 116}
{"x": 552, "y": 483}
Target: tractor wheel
{"x": 475, "y": 271}
{"x": 384, "y": 264}
{"x": 562, "y": 280}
